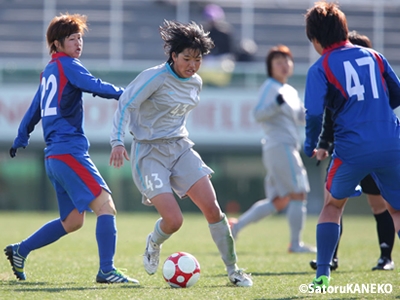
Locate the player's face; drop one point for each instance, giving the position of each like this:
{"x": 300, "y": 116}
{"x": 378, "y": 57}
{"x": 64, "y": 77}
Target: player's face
{"x": 282, "y": 68}
{"x": 73, "y": 45}
{"x": 186, "y": 63}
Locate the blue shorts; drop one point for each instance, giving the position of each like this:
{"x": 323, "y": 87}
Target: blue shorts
{"x": 76, "y": 180}
{"x": 343, "y": 178}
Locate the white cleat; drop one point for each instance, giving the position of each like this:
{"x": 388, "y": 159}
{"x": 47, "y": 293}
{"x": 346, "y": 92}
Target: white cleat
{"x": 239, "y": 278}
{"x": 302, "y": 248}
{"x": 151, "y": 256}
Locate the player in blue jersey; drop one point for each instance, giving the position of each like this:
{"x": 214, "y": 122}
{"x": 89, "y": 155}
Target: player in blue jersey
{"x": 155, "y": 106}
{"x": 58, "y": 103}
{"x": 360, "y": 89}
{"x": 384, "y": 222}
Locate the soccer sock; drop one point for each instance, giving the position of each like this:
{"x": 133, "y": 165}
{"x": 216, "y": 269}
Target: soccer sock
{"x": 296, "y": 215}
{"x": 223, "y": 239}
{"x": 106, "y": 236}
{"x": 327, "y": 238}
{"x": 340, "y": 235}
{"x": 47, "y": 234}
{"x": 386, "y": 233}
{"x": 255, "y": 213}
{"x": 158, "y": 236}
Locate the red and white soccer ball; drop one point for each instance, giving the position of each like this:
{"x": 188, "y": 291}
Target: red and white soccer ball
{"x": 181, "y": 270}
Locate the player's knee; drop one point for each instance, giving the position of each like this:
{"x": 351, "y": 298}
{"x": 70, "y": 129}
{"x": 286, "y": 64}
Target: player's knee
{"x": 173, "y": 224}
{"x": 103, "y": 205}
{"x": 73, "y": 223}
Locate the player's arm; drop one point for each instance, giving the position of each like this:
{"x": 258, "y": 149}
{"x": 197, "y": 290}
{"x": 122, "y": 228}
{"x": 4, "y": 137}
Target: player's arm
{"x": 268, "y": 106}
{"x": 327, "y": 135}
{"x": 134, "y": 95}
{"x": 27, "y": 125}
{"x": 81, "y": 78}
{"x": 314, "y": 103}
{"x": 393, "y": 84}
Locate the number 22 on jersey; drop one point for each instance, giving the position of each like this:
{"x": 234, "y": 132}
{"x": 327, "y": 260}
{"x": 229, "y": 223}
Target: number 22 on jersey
{"x": 48, "y": 84}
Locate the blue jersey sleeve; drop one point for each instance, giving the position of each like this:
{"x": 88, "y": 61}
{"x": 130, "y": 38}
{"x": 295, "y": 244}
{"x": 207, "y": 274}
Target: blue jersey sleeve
{"x": 393, "y": 85}
{"x": 28, "y": 123}
{"x": 81, "y": 78}
{"x": 314, "y": 103}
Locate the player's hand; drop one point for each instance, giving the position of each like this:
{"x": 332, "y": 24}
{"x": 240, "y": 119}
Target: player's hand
{"x": 117, "y": 156}
{"x": 13, "y": 152}
{"x": 321, "y": 154}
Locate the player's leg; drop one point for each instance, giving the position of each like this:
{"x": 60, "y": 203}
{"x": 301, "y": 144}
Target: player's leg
{"x": 88, "y": 191}
{"x": 50, "y": 232}
{"x": 259, "y": 210}
{"x": 296, "y": 214}
{"x": 335, "y": 260}
{"x": 328, "y": 233}
{"x": 203, "y": 195}
{"x": 387, "y": 180}
{"x": 171, "y": 220}
{"x": 384, "y": 223}
{"x": 341, "y": 182}
{"x": 290, "y": 183}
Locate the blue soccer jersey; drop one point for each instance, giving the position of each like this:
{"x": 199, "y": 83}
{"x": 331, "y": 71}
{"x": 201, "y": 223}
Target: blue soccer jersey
{"x": 58, "y": 103}
{"x": 361, "y": 90}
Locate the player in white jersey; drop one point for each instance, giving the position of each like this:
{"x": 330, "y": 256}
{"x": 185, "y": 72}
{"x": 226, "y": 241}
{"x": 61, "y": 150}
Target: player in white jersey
{"x": 280, "y": 112}
{"x": 155, "y": 106}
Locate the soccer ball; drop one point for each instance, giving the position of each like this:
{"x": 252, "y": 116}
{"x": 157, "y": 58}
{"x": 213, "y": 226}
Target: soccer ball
{"x": 181, "y": 270}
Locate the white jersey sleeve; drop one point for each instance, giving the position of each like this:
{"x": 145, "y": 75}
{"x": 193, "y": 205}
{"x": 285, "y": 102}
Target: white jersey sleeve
{"x": 279, "y": 122}
{"x": 155, "y": 105}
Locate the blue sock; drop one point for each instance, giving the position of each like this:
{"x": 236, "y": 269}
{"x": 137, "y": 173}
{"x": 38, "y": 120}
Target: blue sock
{"x": 47, "y": 234}
{"x": 106, "y": 236}
{"x": 327, "y": 239}
{"x": 398, "y": 233}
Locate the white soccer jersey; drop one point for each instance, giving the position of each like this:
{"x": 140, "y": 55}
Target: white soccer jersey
{"x": 156, "y": 104}
{"x": 280, "y": 122}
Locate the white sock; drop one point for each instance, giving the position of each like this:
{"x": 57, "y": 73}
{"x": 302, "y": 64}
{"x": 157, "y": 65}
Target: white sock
{"x": 158, "y": 236}
{"x": 255, "y": 213}
{"x": 296, "y": 214}
{"x": 223, "y": 239}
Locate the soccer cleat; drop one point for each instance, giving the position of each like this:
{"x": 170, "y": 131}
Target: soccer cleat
{"x": 114, "y": 276}
{"x": 239, "y": 278}
{"x": 151, "y": 256}
{"x": 322, "y": 282}
{"x": 17, "y": 261}
{"x": 232, "y": 222}
{"x": 302, "y": 248}
{"x": 334, "y": 264}
{"x": 384, "y": 264}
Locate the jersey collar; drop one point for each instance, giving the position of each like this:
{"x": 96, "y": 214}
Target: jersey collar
{"x": 58, "y": 55}
{"x": 337, "y": 45}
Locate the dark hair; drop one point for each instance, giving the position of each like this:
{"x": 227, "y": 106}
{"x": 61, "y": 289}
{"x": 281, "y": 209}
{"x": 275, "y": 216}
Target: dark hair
{"x": 63, "y": 26}
{"x": 178, "y": 37}
{"x": 359, "y": 39}
{"x": 326, "y": 23}
{"x": 278, "y": 50}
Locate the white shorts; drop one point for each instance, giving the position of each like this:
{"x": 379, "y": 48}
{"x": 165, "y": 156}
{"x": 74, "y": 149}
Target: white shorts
{"x": 285, "y": 172}
{"x": 164, "y": 166}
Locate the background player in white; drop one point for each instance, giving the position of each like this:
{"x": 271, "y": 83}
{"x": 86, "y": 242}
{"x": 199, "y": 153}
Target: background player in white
{"x": 280, "y": 111}
{"x": 155, "y": 106}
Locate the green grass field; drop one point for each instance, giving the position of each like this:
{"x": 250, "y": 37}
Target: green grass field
{"x": 67, "y": 268}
